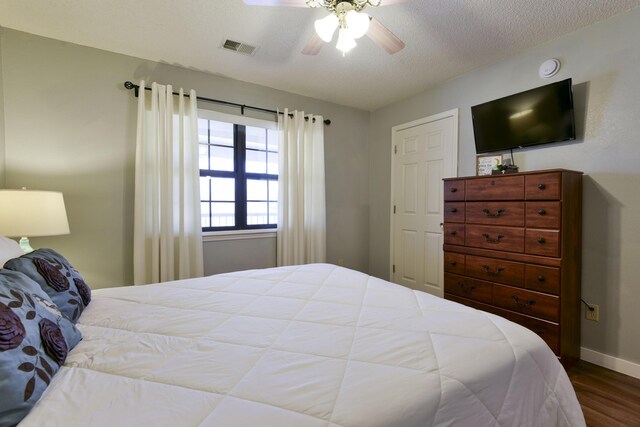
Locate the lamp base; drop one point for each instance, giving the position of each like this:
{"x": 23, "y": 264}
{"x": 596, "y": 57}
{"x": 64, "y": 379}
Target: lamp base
{"x": 24, "y": 244}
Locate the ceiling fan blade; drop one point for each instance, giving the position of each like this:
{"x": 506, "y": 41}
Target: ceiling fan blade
{"x": 384, "y": 38}
{"x": 313, "y": 46}
{"x": 290, "y": 3}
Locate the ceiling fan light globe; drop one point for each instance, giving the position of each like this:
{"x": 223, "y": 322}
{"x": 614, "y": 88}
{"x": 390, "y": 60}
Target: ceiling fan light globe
{"x": 357, "y": 23}
{"x": 326, "y": 26}
{"x": 345, "y": 41}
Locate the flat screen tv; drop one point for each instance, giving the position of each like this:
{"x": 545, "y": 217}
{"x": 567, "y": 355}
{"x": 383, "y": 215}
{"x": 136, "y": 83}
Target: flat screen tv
{"x": 537, "y": 116}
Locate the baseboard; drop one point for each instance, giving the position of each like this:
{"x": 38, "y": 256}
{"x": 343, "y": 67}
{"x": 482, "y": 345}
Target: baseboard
{"x": 610, "y": 362}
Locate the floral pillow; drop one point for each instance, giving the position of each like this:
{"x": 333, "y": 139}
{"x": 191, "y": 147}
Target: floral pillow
{"x": 35, "y": 339}
{"x": 57, "y": 278}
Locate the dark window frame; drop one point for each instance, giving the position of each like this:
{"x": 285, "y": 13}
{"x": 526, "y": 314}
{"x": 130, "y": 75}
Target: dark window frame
{"x": 240, "y": 175}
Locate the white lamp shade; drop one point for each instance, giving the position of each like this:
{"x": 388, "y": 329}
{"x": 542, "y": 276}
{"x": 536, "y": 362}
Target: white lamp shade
{"x": 32, "y": 213}
{"x": 357, "y": 23}
{"x": 326, "y": 26}
{"x": 345, "y": 41}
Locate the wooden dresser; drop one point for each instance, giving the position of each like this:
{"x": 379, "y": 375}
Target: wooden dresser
{"x": 512, "y": 247}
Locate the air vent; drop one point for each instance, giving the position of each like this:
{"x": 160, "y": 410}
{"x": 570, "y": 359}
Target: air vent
{"x": 239, "y": 47}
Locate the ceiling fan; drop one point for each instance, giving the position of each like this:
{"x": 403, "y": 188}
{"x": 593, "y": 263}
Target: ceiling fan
{"x": 347, "y": 17}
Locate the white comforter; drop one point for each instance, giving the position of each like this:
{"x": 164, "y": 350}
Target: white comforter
{"x": 315, "y": 345}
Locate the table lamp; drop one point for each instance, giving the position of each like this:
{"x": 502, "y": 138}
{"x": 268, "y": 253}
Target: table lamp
{"x": 32, "y": 213}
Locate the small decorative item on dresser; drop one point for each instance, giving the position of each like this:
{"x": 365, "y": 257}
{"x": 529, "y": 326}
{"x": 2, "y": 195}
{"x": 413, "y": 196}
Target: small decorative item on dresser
{"x": 503, "y": 169}
{"x": 486, "y": 164}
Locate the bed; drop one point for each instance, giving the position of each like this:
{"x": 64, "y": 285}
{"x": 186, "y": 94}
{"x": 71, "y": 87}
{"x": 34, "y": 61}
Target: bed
{"x": 314, "y": 345}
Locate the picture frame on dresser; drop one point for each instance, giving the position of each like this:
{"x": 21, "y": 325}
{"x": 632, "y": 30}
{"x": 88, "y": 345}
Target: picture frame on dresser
{"x": 486, "y": 163}
{"x": 513, "y": 246}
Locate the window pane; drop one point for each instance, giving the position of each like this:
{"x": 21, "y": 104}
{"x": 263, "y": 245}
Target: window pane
{"x": 203, "y": 131}
{"x": 257, "y": 213}
{"x": 273, "y": 213}
{"x": 257, "y": 190}
{"x": 272, "y": 140}
{"x": 221, "y": 158}
{"x": 273, "y": 191}
{"x": 223, "y": 189}
{"x": 256, "y": 138}
{"x": 204, "y": 215}
{"x": 205, "y": 182}
{"x": 203, "y": 162}
{"x": 221, "y": 133}
{"x": 272, "y": 165}
{"x": 223, "y": 214}
{"x": 256, "y": 161}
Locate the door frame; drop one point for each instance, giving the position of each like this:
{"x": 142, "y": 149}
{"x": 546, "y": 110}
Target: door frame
{"x": 454, "y": 113}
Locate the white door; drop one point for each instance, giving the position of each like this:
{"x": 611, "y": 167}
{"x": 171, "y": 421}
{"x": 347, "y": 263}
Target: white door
{"x": 423, "y": 152}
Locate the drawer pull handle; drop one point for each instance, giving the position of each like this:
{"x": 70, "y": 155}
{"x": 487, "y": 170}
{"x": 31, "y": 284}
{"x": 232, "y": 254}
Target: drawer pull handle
{"x": 454, "y": 210}
{"x": 541, "y": 240}
{"x": 454, "y": 190}
{"x": 541, "y": 278}
{"x": 454, "y": 232}
{"x": 487, "y": 212}
{"x": 519, "y": 303}
{"x": 454, "y": 263}
{"x": 492, "y": 273}
{"x": 489, "y": 239}
{"x": 542, "y": 212}
{"x": 541, "y": 186}
{"x": 467, "y": 289}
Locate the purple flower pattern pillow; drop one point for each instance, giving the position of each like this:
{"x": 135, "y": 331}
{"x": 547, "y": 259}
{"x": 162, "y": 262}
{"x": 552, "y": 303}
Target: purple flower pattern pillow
{"x": 57, "y": 277}
{"x": 35, "y": 339}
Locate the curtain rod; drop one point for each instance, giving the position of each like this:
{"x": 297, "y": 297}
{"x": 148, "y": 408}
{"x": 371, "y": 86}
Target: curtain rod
{"x": 129, "y": 85}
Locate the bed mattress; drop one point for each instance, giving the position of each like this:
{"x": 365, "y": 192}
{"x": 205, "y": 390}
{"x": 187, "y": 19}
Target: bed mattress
{"x": 315, "y": 345}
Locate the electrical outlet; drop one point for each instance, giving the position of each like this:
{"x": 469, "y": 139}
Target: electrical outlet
{"x": 341, "y": 262}
{"x": 592, "y": 314}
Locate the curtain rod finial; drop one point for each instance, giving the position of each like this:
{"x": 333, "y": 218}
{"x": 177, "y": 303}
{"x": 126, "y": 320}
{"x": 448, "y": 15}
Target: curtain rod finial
{"x": 129, "y": 85}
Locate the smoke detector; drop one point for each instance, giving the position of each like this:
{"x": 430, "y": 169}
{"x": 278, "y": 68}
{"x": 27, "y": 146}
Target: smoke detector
{"x": 549, "y": 68}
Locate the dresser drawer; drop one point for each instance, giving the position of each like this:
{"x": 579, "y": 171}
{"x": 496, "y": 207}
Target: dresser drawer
{"x": 495, "y": 213}
{"x": 496, "y": 188}
{"x": 495, "y": 270}
{"x": 454, "y": 263}
{"x": 454, "y": 234}
{"x": 542, "y": 242}
{"x": 542, "y": 279}
{"x": 498, "y": 238}
{"x": 548, "y": 331}
{"x": 454, "y": 211}
{"x": 543, "y": 214}
{"x": 527, "y": 302}
{"x": 454, "y": 190}
{"x": 468, "y": 288}
{"x": 543, "y": 186}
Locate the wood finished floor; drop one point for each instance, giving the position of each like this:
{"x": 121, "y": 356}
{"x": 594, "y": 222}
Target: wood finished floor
{"x": 608, "y": 398}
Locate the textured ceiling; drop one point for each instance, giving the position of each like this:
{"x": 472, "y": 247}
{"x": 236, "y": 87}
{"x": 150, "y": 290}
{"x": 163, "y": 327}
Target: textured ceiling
{"x": 444, "y": 38}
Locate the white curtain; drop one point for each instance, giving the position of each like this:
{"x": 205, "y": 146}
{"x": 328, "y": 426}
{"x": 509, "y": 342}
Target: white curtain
{"x": 301, "y": 196}
{"x": 167, "y": 236}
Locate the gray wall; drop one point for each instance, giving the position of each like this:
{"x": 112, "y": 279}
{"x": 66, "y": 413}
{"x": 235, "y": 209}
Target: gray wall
{"x": 604, "y": 62}
{"x": 70, "y": 126}
{"x": 1, "y": 120}
{"x": 222, "y": 256}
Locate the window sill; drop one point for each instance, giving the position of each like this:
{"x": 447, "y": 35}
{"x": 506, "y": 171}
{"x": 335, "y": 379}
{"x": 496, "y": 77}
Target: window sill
{"x": 217, "y": 236}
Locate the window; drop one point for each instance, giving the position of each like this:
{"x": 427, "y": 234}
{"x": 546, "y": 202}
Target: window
{"x": 238, "y": 173}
